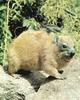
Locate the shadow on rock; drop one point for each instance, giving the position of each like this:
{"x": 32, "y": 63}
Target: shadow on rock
{"x": 35, "y": 78}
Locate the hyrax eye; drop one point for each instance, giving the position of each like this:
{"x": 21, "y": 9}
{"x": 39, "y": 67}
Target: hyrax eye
{"x": 64, "y": 46}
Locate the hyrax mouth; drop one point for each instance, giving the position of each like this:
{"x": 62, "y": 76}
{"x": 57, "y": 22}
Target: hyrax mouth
{"x": 67, "y": 55}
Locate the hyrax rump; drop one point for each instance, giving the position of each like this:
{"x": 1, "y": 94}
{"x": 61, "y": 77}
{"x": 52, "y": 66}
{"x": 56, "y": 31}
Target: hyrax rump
{"x": 37, "y": 50}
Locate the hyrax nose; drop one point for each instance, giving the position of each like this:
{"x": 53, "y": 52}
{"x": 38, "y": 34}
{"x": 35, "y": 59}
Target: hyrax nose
{"x": 72, "y": 53}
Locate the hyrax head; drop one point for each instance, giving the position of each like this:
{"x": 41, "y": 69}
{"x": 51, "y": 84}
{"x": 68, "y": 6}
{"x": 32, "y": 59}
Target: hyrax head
{"x": 66, "y": 47}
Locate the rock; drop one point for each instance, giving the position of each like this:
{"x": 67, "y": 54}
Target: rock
{"x": 35, "y": 86}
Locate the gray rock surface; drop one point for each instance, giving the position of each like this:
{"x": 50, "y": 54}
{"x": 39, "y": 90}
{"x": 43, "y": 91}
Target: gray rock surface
{"x": 35, "y": 86}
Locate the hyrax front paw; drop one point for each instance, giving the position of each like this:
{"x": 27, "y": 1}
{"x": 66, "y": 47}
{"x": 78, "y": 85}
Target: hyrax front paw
{"x": 60, "y": 76}
{"x": 53, "y": 78}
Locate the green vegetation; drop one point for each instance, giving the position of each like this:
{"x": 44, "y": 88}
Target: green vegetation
{"x": 19, "y": 15}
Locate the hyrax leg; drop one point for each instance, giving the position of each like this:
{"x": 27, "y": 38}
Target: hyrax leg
{"x": 12, "y": 69}
{"x": 53, "y": 72}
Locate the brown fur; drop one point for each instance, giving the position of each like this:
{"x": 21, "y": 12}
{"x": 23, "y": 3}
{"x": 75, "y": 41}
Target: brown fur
{"x": 35, "y": 50}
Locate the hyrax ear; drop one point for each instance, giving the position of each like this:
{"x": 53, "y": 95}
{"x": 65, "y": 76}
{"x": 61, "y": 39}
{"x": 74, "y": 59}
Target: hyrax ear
{"x": 56, "y": 40}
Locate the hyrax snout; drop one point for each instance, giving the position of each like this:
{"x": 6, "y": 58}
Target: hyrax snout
{"x": 37, "y": 50}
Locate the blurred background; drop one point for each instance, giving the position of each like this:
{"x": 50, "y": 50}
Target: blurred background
{"x": 56, "y": 16}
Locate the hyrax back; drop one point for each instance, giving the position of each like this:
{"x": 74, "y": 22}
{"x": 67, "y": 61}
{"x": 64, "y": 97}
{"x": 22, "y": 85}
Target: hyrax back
{"x": 35, "y": 50}
{"x": 25, "y": 51}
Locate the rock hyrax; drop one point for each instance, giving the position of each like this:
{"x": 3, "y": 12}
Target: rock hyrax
{"x": 37, "y": 50}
